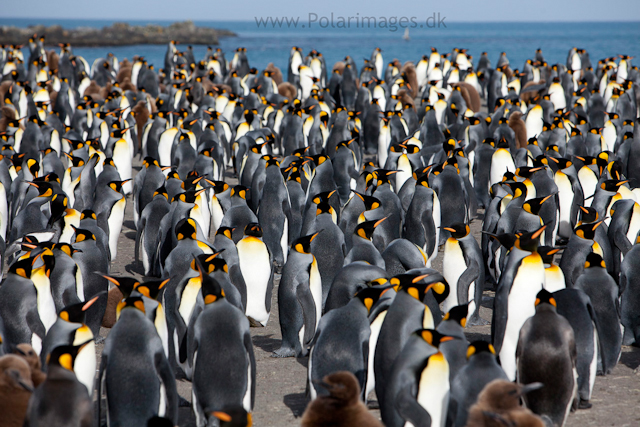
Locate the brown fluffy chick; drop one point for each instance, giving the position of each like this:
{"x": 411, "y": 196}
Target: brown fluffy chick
{"x": 342, "y": 407}
{"x": 27, "y": 352}
{"x": 15, "y": 390}
{"x": 498, "y": 405}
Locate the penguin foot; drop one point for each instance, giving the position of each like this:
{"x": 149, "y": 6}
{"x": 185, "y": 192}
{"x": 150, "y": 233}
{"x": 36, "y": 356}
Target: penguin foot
{"x": 584, "y": 404}
{"x": 254, "y": 323}
{"x": 476, "y": 320}
{"x": 283, "y": 352}
{"x": 183, "y": 403}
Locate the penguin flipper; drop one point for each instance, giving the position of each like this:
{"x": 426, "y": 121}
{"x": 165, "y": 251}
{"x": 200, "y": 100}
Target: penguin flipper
{"x": 35, "y": 324}
{"x": 470, "y": 274}
{"x": 410, "y": 410}
{"x": 305, "y": 299}
{"x": 622, "y": 242}
{"x": 168, "y": 381}
{"x": 248, "y": 345}
{"x": 139, "y": 228}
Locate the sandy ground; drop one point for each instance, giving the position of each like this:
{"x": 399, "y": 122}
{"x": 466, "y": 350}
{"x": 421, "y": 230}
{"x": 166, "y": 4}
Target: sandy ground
{"x": 281, "y": 383}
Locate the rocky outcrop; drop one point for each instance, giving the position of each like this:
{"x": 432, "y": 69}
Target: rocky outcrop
{"x": 118, "y": 34}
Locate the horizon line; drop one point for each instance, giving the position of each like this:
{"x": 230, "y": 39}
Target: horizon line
{"x": 117, "y": 20}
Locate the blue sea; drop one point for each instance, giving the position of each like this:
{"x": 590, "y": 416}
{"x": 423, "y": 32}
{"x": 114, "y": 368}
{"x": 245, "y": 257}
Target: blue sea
{"x": 272, "y": 43}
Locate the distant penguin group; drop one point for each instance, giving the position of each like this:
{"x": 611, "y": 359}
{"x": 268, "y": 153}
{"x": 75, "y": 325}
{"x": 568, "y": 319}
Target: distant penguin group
{"x": 329, "y": 192}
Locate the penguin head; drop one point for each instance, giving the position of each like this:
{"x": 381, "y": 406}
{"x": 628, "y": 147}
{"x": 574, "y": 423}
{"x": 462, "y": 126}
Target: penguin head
{"x": 211, "y": 263}
{"x": 130, "y": 303}
{"x": 75, "y": 313}
{"x": 117, "y": 185}
{"x": 594, "y": 260}
{"x": 547, "y": 253}
{"x": 526, "y": 172}
{"x": 186, "y": 228}
{"x": 383, "y": 176}
{"x": 561, "y": 162}
{"x": 239, "y": 191}
{"x": 370, "y": 202}
{"x": 88, "y": 214}
{"x": 225, "y": 231}
{"x": 365, "y": 229}
{"x": 64, "y": 356}
{"x": 458, "y": 230}
{"x": 433, "y": 337}
{"x": 587, "y": 231}
{"x": 533, "y": 206}
{"x": 151, "y": 288}
{"x": 124, "y": 283}
{"x": 518, "y": 189}
{"x": 458, "y": 314}
{"x": 22, "y": 267}
{"x": 529, "y": 241}
{"x": 191, "y": 181}
{"x": 418, "y": 285}
{"x": 253, "y": 229}
{"x": 218, "y": 186}
{"x": 612, "y": 185}
{"x": 150, "y": 161}
{"x": 588, "y": 214}
{"x": 371, "y": 295}
{"x": 188, "y": 196}
{"x": 161, "y": 191}
{"x": 323, "y": 197}
{"x": 45, "y": 189}
{"x": 66, "y": 248}
{"x": 48, "y": 262}
{"x": 545, "y": 297}
{"x": 303, "y": 244}
{"x": 478, "y": 347}
{"x": 210, "y": 288}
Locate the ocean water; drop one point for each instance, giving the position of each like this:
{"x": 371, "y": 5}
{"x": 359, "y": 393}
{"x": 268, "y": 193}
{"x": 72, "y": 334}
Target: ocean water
{"x": 272, "y": 42}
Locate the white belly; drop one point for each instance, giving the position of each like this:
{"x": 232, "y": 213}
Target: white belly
{"x": 376, "y": 325}
{"x": 521, "y": 305}
{"x": 115, "y": 225}
{"x": 453, "y": 265}
{"x": 433, "y": 390}
{"x": 255, "y": 265}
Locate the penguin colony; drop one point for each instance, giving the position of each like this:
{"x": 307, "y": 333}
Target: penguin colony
{"x": 349, "y": 183}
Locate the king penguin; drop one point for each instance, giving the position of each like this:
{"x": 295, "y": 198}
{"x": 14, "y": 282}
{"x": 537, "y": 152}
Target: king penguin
{"x": 299, "y": 299}
{"x": 546, "y": 353}
{"x": 255, "y": 260}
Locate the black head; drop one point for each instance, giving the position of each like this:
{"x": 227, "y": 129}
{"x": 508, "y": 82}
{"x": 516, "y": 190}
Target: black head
{"x": 478, "y": 347}
{"x": 370, "y": 202}
{"x": 418, "y": 285}
{"x": 458, "y": 230}
{"x": 303, "y": 244}
{"x": 588, "y": 214}
{"x": 253, "y": 229}
{"x": 125, "y": 284}
{"x": 587, "y": 231}
{"x": 151, "y": 288}
{"x": 366, "y": 229}
{"x": 458, "y": 314}
{"x": 529, "y": 241}
{"x": 533, "y": 206}
{"x": 210, "y": 288}
{"x": 547, "y": 253}
{"x": 371, "y": 295}
{"x": 594, "y": 260}
{"x": 433, "y": 337}
{"x": 64, "y": 356}
{"x": 545, "y": 297}
{"x": 225, "y": 231}
{"x": 186, "y": 228}
{"x": 239, "y": 191}
{"x": 75, "y": 313}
